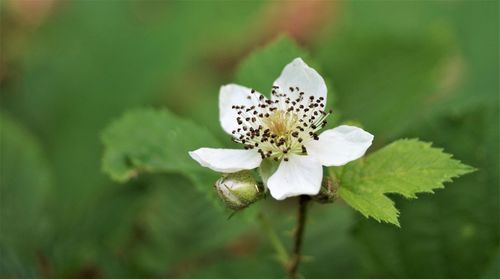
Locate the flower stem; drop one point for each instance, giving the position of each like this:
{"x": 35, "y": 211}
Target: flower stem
{"x": 294, "y": 261}
{"x": 279, "y": 248}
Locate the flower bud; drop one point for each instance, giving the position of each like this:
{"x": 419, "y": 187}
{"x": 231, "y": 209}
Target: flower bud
{"x": 238, "y": 190}
{"x": 327, "y": 192}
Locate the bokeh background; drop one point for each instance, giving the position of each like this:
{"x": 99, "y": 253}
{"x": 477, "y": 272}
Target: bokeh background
{"x": 426, "y": 69}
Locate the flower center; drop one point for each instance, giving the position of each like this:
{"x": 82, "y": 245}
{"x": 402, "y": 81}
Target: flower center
{"x": 280, "y": 126}
{"x": 280, "y": 123}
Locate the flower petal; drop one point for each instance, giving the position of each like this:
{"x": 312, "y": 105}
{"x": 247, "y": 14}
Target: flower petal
{"x": 227, "y": 160}
{"x": 301, "y": 175}
{"x": 234, "y": 95}
{"x": 339, "y": 146}
{"x": 299, "y": 74}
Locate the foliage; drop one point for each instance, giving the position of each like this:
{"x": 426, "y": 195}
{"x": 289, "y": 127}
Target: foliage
{"x": 263, "y": 66}
{"x": 25, "y": 184}
{"x": 404, "y": 167}
{"x": 452, "y": 233}
{"x": 403, "y": 70}
{"x": 147, "y": 140}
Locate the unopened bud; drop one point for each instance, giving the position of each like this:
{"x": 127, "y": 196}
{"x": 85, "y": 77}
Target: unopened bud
{"x": 238, "y": 190}
{"x": 328, "y": 191}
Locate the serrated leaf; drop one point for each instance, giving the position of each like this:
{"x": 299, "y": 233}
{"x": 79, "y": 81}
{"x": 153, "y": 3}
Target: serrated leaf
{"x": 405, "y": 167}
{"x": 263, "y": 66}
{"x": 453, "y": 234}
{"x": 148, "y": 140}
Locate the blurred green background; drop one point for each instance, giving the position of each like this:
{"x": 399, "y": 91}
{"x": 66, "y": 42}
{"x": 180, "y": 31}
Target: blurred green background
{"x": 424, "y": 69}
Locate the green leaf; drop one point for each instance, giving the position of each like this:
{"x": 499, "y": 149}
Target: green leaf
{"x": 148, "y": 140}
{"x": 453, "y": 234}
{"x": 493, "y": 270}
{"x": 385, "y": 78}
{"x": 152, "y": 223}
{"x": 405, "y": 167}
{"x": 263, "y": 66}
{"x": 25, "y": 182}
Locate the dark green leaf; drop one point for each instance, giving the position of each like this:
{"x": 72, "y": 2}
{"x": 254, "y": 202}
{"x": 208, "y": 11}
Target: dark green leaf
{"x": 25, "y": 182}
{"x": 148, "y": 140}
{"x": 264, "y": 65}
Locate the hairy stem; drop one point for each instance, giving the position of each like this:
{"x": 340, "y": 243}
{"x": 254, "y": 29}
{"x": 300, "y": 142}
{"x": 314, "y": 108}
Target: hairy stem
{"x": 294, "y": 261}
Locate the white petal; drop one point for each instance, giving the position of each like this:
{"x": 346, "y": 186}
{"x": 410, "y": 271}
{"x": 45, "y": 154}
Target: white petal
{"x": 227, "y": 160}
{"x": 233, "y": 95}
{"x": 299, "y": 74}
{"x": 339, "y": 146}
{"x": 301, "y": 175}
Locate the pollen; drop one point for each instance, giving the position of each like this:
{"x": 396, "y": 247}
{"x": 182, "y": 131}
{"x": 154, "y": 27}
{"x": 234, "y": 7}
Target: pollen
{"x": 280, "y": 126}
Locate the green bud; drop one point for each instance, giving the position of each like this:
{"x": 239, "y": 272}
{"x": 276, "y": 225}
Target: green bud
{"x": 328, "y": 191}
{"x": 238, "y": 190}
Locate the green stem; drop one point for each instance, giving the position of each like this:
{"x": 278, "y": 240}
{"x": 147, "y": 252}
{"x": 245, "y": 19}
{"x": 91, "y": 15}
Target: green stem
{"x": 279, "y": 248}
{"x": 294, "y": 262}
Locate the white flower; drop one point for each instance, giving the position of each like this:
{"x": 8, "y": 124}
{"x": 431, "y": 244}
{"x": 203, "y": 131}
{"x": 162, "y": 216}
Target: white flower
{"x": 284, "y": 129}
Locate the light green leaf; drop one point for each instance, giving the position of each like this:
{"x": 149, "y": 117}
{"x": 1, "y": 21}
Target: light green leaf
{"x": 405, "y": 167}
{"x": 148, "y": 140}
{"x": 453, "y": 234}
{"x": 263, "y": 66}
